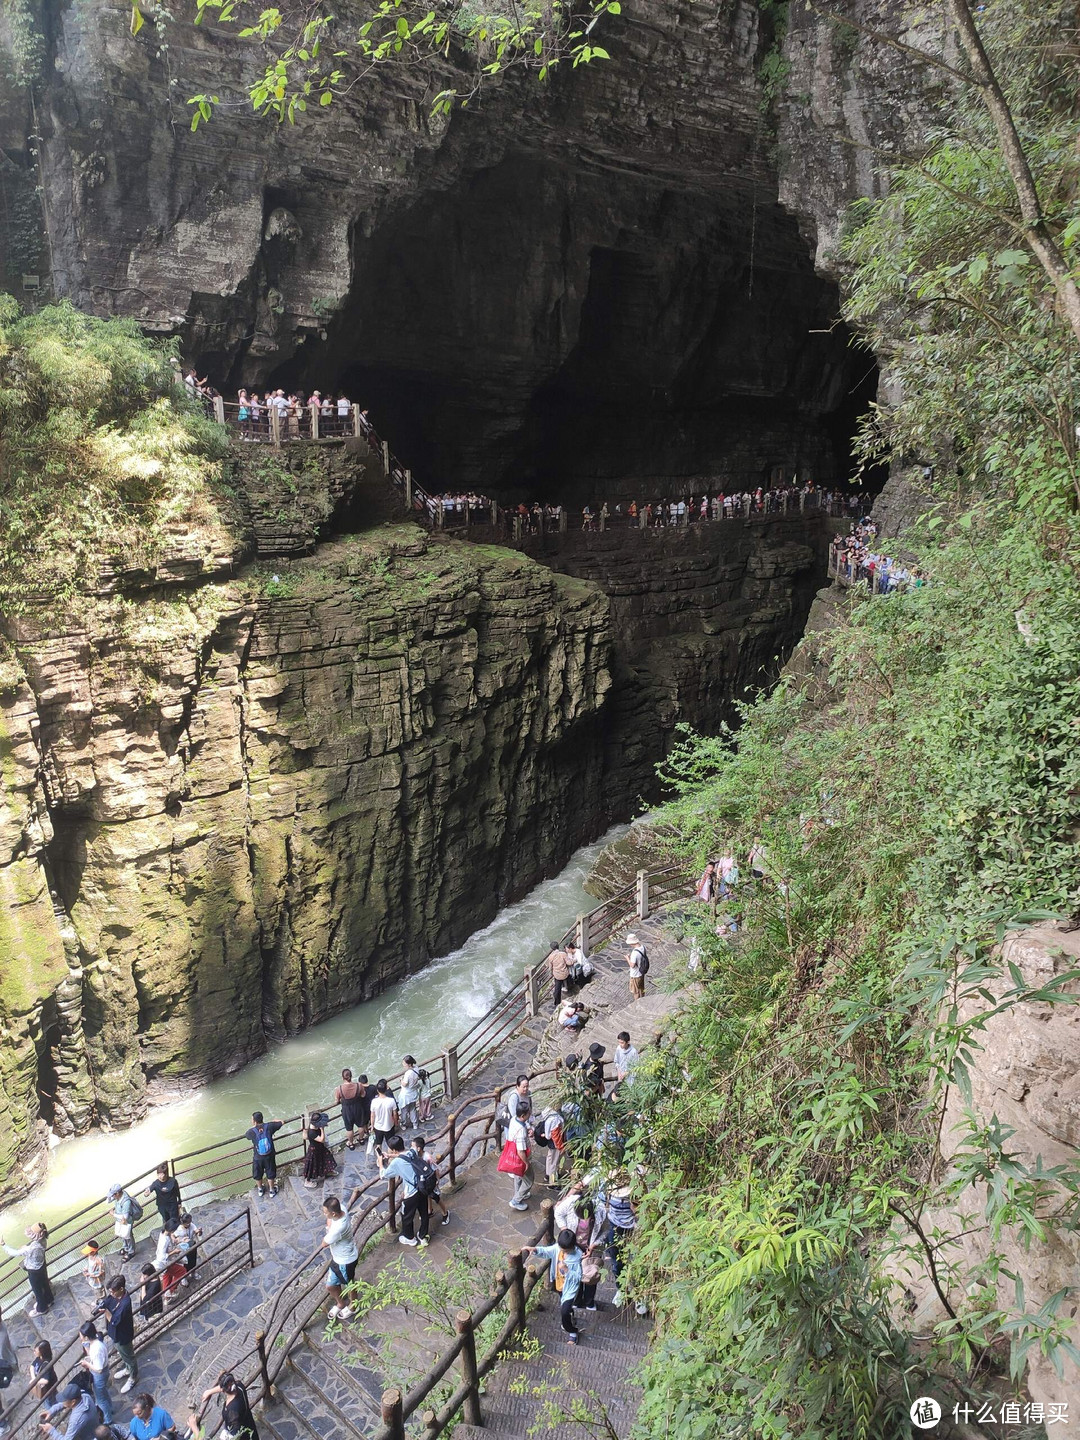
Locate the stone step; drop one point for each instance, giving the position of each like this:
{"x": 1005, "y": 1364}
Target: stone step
{"x": 327, "y": 1391}
{"x": 349, "y": 1379}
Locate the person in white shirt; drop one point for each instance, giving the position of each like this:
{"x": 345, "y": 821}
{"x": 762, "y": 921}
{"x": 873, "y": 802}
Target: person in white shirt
{"x": 409, "y": 1094}
{"x": 96, "y": 1360}
{"x": 518, "y": 1134}
{"x": 625, "y": 1057}
{"x": 384, "y": 1114}
{"x": 343, "y": 1253}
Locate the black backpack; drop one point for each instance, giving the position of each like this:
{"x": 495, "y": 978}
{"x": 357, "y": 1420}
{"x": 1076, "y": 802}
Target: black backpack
{"x": 643, "y": 961}
{"x": 425, "y": 1176}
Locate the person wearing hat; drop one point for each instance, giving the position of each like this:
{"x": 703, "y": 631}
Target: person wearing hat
{"x": 94, "y": 1269}
{"x": 123, "y": 1208}
{"x": 594, "y": 1069}
{"x": 75, "y": 1412}
{"x": 637, "y": 963}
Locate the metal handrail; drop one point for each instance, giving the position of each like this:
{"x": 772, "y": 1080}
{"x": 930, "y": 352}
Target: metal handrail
{"x": 222, "y": 1165}
{"x": 150, "y": 1328}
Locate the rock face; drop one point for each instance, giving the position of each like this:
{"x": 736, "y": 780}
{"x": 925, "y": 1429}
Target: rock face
{"x": 588, "y": 285}
{"x": 1025, "y": 1074}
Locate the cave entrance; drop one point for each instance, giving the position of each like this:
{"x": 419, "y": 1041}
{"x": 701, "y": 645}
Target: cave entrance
{"x": 532, "y": 332}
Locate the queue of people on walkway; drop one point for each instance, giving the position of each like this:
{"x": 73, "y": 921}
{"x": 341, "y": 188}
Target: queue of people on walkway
{"x": 856, "y": 556}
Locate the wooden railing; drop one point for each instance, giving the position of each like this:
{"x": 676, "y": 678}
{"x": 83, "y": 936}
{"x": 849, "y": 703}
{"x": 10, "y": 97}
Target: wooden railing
{"x": 220, "y": 1170}
{"x": 511, "y": 1291}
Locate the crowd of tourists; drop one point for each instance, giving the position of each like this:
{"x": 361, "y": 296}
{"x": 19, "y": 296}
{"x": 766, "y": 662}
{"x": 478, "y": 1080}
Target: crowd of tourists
{"x": 856, "y": 556}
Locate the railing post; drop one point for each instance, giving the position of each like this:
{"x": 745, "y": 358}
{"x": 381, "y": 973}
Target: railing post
{"x": 250, "y": 1240}
{"x": 451, "y": 1154}
{"x": 517, "y": 1289}
{"x": 391, "y": 1205}
{"x": 219, "y": 409}
{"x": 532, "y": 990}
{"x": 642, "y": 888}
{"x": 583, "y": 936}
{"x": 494, "y": 514}
{"x": 564, "y": 519}
{"x": 408, "y": 489}
{"x": 463, "y": 1324}
{"x": 314, "y": 421}
{"x": 440, "y": 513}
{"x": 547, "y": 1210}
{"x": 356, "y": 429}
{"x": 392, "y": 1417}
{"x": 275, "y": 424}
{"x": 517, "y": 528}
{"x": 264, "y": 1368}
{"x": 450, "y": 1063}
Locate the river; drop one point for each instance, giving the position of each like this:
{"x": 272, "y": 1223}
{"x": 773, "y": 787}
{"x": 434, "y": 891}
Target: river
{"x": 418, "y": 1016}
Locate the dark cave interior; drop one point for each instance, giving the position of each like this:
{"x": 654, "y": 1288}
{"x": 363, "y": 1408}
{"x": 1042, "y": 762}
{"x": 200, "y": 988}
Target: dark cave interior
{"x": 542, "y": 330}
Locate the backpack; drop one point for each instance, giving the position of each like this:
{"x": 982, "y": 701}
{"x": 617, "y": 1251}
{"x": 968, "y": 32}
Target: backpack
{"x": 539, "y": 1138}
{"x": 643, "y": 960}
{"x": 136, "y": 1210}
{"x": 263, "y": 1143}
{"x": 502, "y": 1115}
{"x": 425, "y": 1176}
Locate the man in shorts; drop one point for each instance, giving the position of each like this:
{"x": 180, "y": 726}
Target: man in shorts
{"x": 263, "y": 1156}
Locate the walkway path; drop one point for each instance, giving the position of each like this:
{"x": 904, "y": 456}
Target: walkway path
{"x": 334, "y": 1382}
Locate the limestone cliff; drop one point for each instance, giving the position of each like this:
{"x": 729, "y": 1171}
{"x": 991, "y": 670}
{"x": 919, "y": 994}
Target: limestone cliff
{"x": 261, "y": 801}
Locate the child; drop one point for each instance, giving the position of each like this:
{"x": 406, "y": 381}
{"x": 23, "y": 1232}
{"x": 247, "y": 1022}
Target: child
{"x": 94, "y": 1269}
{"x": 187, "y": 1236}
{"x": 566, "y": 1259}
{"x": 151, "y": 1305}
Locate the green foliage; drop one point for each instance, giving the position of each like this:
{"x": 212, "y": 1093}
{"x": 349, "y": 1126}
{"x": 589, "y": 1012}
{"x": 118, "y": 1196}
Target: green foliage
{"x": 314, "y": 57}
{"x": 101, "y": 455}
{"x": 21, "y": 219}
{"x": 27, "y": 40}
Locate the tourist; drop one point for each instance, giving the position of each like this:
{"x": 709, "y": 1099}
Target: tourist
{"x": 349, "y": 1096}
{"x": 42, "y": 1372}
{"x": 9, "y": 1366}
{"x": 414, "y": 1204}
{"x": 319, "y": 1162}
{"x": 572, "y": 1016}
{"x": 235, "y": 1411}
{"x": 435, "y": 1196}
{"x": 96, "y": 1361}
{"x": 637, "y": 964}
{"x": 549, "y": 1129}
{"x": 33, "y": 1262}
{"x": 580, "y": 967}
{"x": 149, "y": 1420}
{"x": 559, "y": 965}
{"x": 756, "y": 859}
{"x": 256, "y": 409}
{"x": 622, "y": 1222}
{"x": 169, "y": 1263}
{"x": 519, "y": 1094}
{"x": 518, "y": 1135}
{"x": 344, "y": 410}
{"x": 384, "y": 1116}
{"x": 187, "y": 1235}
{"x": 263, "y": 1155}
{"x": 94, "y": 1269}
{"x": 706, "y": 883}
{"x": 344, "y": 1255}
{"x": 74, "y": 1417}
{"x": 729, "y": 874}
{"x": 121, "y": 1329}
{"x": 565, "y": 1274}
{"x": 151, "y": 1304}
{"x": 409, "y": 1095}
{"x": 367, "y": 1094}
{"x": 126, "y": 1212}
{"x": 593, "y": 1069}
{"x": 625, "y": 1057}
{"x": 166, "y": 1192}
{"x": 427, "y": 1097}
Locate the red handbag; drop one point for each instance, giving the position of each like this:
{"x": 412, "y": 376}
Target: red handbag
{"x": 511, "y": 1161}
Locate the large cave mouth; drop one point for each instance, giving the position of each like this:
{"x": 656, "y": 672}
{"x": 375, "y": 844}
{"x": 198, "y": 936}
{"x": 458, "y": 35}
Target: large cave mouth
{"x": 545, "y": 330}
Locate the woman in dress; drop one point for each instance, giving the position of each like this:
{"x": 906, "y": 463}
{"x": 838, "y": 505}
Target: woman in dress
{"x": 319, "y": 1163}
{"x": 349, "y": 1096}
{"x": 707, "y": 882}
{"x": 33, "y": 1259}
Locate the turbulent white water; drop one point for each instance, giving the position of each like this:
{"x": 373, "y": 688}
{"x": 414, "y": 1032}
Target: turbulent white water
{"x": 419, "y": 1016}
